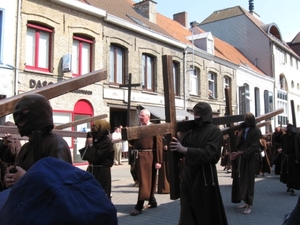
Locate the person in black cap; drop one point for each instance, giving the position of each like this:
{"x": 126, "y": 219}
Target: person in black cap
{"x": 55, "y": 192}
{"x": 99, "y": 152}
{"x": 34, "y": 119}
{"x": 200, "y": 196}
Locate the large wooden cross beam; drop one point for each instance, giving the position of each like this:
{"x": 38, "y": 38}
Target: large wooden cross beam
{"x": 129, "y": 86}
{"x": 81, "y": 121}
{"x": 7, "y": 105}
{"x": 13, "y": 130}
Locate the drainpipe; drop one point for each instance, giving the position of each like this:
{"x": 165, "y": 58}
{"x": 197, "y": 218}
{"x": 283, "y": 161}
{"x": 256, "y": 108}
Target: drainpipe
{"x": 184, "y": 78}
{"x": 16, "y": 78}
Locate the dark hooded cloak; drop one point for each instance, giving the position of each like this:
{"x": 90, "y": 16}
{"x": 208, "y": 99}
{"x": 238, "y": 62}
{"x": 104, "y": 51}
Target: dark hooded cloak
{"x": 33, "y": 115}
{"x": 35, "y": 112}
{"x": 9, "y": 149}
{"x": 244, "y": 174}
{"x": 201, "y": 201}
{"x": 100, "y": 155}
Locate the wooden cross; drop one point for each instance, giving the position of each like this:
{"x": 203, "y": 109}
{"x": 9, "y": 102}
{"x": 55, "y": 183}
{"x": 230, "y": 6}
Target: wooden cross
{"x": 81, "y": 121}
{"x": 13, "y": 130}
{"x": 7, "y": 105}
{"x": 129, "y": 86}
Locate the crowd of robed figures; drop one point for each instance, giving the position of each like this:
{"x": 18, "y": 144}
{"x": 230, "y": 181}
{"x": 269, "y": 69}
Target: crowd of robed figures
{"x": 199, "y": 149}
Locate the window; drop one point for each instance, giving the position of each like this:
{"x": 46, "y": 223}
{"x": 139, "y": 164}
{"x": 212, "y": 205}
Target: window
{"x": 257, "y": 101}
{"x": 283, "y": 84}
{"x": 148, "y": 72}
{"x": 176, "y": 78}
{"x": 291, "y": 60}
{"x": 210, "y": 46}
{"x": 81, "y": 55}
{"x": 268, "y": 100}
{"x": 38, "y": 47}
{"x": 247, "y": 98}
{"x": 281, "y": 56}
{"x": 212, "y": 84}
{"x": 117, "y": 64}
{"x": 194, "y": 81}
{"x": 226, "y": 83}
{"x": 282, "y": 103}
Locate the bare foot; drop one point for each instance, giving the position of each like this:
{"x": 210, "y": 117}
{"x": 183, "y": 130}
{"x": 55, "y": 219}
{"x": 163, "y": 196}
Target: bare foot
{"x": 242, "y": 206}
{"x": 247, "y": 210}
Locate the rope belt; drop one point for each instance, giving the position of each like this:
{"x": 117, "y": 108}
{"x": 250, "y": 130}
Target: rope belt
{"x": 136, "y": 155}
{"x": 95, "y": 166}
{"x": 143, "y": 150}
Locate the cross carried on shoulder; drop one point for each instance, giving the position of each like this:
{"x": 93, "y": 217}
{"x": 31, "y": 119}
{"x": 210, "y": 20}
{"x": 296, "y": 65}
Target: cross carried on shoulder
{"x": 171, "y": 127}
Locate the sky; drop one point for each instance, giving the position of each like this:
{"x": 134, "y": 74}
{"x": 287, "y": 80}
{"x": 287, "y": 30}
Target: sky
{"x": 284, "y": 13}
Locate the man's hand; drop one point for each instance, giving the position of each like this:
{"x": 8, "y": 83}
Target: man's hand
{"x": 175, "y": 145}
{"x": 234, "y": 155}
{"x": 157, "y": 166}
{"x": 11, "y": 178}
{"x": 89, "y": 141}
{"x": 7, "y": 139}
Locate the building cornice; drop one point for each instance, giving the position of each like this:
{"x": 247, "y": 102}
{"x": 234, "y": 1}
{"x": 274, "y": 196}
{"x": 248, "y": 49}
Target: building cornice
{"x": 136, "y": 28}
{"x": 80, "y": 6}
{"x": 118, "y": 21}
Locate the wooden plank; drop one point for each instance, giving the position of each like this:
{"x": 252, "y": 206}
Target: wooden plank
{"x": 264, "y": 124}
{"x": 7, "y": 105}
{"x": 137, "y": 132}
{"x": 257, "y": 120}
{"x": 170, "y": 113}
{"x": 224, "y": 120}
{"x": 64, "y": 133}
{"x": 81, "y": 121}
{"x": 129, "y": 86}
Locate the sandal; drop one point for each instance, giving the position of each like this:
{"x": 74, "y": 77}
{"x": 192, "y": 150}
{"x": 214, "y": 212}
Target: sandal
{"x": 135, "y": 212}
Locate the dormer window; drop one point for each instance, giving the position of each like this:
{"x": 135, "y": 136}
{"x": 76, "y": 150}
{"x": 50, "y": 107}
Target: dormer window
{"x": 204, "y": 41}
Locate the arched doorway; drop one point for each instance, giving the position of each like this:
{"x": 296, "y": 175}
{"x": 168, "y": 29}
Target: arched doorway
{"x": 82, "y": 109}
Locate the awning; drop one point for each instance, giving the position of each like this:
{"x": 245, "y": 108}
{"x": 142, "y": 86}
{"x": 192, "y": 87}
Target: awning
{"x": 159, "y": 112}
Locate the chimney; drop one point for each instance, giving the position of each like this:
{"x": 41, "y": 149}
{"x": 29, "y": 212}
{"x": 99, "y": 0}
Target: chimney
{"x": 251, "y": 9}
{"x": 251, "y": 6}
{"x": 181, "y": 18}
{"x": 148, "y": 9}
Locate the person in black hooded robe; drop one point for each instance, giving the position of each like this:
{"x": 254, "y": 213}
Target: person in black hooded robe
{"x": 9, "y": 149}
{"x": 244, "y": 175}
{"x": 200, "y": 197}
{"x": 34, "y": 118}
{"x": 290, "y": 167}
{"x": 99, "y": 152}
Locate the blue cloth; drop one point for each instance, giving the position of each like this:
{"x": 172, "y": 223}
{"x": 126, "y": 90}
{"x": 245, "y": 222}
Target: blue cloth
{"x": 3, "y": 197}
{"x": 294, "y": 217}
{"x": 246, "y": 132}
{"x": 55, "y": 192}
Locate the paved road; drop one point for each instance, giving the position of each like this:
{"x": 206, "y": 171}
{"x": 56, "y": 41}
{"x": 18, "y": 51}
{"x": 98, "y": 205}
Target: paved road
{"x": 271, "y": 201}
